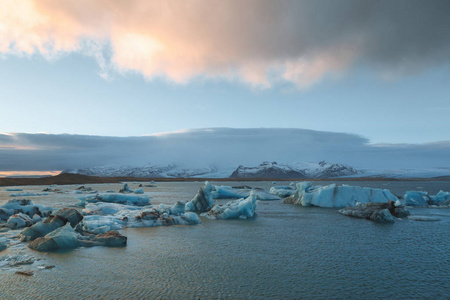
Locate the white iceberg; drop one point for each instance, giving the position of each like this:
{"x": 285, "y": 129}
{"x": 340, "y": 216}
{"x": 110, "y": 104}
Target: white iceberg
{"x": 138, "y": 200}
{"x": 241, "y": 208}
{"x": 337, "y": 196}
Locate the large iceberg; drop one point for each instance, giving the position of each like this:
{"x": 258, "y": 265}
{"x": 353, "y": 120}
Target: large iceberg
{"x": 228, "y": 192}
{"x": 138, "y": 200}
{"x": 337, "y": 196}
{"x": 241, "y": 208}
{"x": 203, "y": 201}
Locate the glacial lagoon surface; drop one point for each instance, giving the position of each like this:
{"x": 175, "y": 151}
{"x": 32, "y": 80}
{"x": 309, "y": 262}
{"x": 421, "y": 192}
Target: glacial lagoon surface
{"x": 285, "y": 252}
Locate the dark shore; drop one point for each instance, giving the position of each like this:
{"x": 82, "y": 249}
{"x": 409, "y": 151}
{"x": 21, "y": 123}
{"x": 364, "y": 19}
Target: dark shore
{"x": 66, "y": 178}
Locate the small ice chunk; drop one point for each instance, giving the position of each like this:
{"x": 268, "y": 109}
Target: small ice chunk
{"x": 139, "y": 191}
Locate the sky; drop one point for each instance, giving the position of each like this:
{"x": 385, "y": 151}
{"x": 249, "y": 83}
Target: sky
{"x": 120, "y": 71}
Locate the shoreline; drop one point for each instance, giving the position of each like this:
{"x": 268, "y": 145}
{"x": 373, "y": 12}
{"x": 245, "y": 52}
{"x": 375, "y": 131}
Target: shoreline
{"x": 65, "y": 179}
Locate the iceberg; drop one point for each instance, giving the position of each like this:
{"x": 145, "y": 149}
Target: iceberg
{"x": 27, "y": 194}
{"x": 337, "y": 196}
{"x": 415, "y": 198}
{"x": 241, "y": 208}
{"x": 203, "y": 201}
{"x": 104, "y": 208}
{"x": 66, "y": 238}
{"x": 420, "y": 198}
{"x": 24, "y": 206}
{"x": 283, "y": 191}
{"x": 442, "y": 198}
{"x": 61, "y": 218}
{"x": 228, "y": 192}
{"x": 4, "y": 243}
{"x": 138, "y": 200}
{"x": 19, "y": 220}
{"x": 61, "y": 238}
{"x": 375, "y": 211}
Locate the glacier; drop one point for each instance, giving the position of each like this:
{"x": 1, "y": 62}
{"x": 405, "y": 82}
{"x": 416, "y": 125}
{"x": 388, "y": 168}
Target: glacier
{"x": 337, "y": 196}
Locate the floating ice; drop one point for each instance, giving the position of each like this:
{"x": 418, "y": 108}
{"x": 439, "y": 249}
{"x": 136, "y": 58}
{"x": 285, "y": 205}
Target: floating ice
{"x": 140, "y": 200}
{"x": 203, "y": 201}
{"x": 415, "y": 198}
{"x": 62, "y": 217}
{"x": 283, "y": 191}
{"x": 25, "y": 206}
{"x": 241, "y": 208}
{"x": 337, "y": 196}
{"x": 164, "y": 215}
{"x": 139, "y": 191}
{"x": 228, "y": 192}
{"x": 27, "y": 194}
{"x": 4, "y": 243}
{"x": 61, "y": 238}
{"x": 442, "y": 198}
{"x": 126, "y": 189}
{"x": 103, "y": 208}
{"x": 19, "y": 220}
{"x": 14, "y": 190}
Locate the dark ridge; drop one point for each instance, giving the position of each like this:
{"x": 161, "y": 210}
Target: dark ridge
{"x": 66, "y": 178}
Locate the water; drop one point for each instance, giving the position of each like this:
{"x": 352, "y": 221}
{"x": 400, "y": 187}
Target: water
{"x": 285, "y": 252}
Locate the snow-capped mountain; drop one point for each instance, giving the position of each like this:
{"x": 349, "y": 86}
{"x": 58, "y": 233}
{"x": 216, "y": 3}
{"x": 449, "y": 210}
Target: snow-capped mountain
{"x": 295, "y": 170}
{"x": 265, "y": 170}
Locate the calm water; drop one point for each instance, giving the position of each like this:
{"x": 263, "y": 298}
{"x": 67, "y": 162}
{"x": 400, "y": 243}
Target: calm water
{"x": 285, "y": 252}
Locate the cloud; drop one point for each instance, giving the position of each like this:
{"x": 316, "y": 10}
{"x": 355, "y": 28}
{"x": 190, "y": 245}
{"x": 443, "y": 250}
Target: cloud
{"x": 260, "y": 42}
{"x": 223, "y": 147}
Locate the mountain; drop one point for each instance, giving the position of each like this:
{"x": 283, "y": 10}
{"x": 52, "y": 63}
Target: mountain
{"x": 147, "y": 171}
{"x": 295, "y": 170}
{"x": 264, "y": 170}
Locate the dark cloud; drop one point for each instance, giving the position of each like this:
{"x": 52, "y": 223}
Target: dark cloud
{"x": 224, "y": 147}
